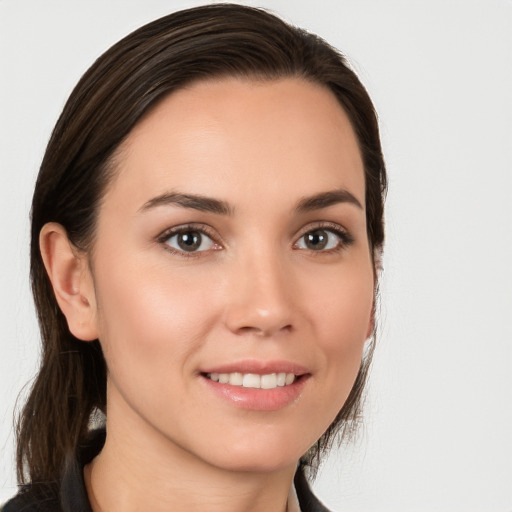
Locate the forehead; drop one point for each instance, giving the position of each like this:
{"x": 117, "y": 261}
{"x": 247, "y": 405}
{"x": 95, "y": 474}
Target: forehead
{"x": 253, "y": 135}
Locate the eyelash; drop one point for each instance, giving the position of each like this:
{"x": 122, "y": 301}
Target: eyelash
{"x": 197, "y": 228}
{"x": 345, "y": 239}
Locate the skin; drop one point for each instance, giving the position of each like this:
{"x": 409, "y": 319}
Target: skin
{"x": 256, "y": 292}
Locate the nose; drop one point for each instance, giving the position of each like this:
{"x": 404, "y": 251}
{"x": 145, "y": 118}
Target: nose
{"x": 259, "y": 298}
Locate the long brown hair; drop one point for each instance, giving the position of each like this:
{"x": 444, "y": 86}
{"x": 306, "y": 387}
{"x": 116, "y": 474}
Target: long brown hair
{"x": 112, "y": 96}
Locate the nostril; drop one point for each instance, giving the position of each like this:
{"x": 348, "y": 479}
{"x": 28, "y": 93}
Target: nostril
{"x": 264, "y": 331}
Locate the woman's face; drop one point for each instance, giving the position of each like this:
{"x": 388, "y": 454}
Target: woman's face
{"x": 232, "y": 273}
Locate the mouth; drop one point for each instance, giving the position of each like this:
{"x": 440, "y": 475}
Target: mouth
{"x": 257, "y": 385}
{"x": 254, "y": 380}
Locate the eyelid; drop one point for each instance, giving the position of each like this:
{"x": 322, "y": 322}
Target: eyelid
{"x": 345, "y": 237}
{"x": 164, "y": 236}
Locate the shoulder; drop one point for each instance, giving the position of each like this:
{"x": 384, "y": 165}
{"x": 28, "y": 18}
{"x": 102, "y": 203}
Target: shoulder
{"x": 34, "y": 498}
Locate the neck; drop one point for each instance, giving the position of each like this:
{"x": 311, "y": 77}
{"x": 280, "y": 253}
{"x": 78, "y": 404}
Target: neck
{"x": 141, "y": 470}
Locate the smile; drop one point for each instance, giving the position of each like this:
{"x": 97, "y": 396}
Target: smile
{"x": 253, "y": 380}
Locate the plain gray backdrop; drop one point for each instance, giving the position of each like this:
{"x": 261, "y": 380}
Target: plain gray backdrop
{"x": 438, "y": 430}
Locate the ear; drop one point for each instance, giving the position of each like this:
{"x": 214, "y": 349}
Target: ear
{"x": 71, "y": 279}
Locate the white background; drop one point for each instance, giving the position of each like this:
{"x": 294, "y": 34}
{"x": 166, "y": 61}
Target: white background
{"x": 438, "y": 433}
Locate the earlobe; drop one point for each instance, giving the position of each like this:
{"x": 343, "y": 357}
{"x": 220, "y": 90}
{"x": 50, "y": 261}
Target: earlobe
{"x": 71, "y": 280}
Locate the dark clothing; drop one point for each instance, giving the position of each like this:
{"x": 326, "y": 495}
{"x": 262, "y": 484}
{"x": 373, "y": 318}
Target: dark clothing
{"x": 69, "y": 495}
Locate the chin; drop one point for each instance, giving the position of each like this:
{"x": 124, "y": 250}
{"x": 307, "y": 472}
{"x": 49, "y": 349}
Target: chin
{"x": 257, "y": 456}
{"x": 256, "y": 463}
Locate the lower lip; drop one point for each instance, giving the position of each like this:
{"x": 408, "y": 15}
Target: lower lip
{"x": 258, "y": 399}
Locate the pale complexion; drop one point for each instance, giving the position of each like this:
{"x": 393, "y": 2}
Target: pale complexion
{"x": 272, "y": 270}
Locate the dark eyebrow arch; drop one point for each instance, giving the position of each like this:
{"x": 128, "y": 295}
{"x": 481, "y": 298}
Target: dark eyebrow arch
{"x": 325, "y": 199}
{"x": 196, "y": 202}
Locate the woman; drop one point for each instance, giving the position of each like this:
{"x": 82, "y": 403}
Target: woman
{"x": 206, "y": 234}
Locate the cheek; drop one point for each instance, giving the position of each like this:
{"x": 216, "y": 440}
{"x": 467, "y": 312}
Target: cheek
{"x": 343, "y": 311}
{"x": 146, "y": 315}
{"x": 152, "y": 325}
{"x": 343, "y": 307}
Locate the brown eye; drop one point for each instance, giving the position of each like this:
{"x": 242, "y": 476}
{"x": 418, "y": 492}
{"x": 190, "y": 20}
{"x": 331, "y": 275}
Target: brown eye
{"x": 322, "y": 239}
{"x": 190, "y": 241}
{"x": 316, "y": 240}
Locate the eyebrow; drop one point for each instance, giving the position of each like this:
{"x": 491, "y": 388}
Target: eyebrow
{"x": 326, "y": 199}
{"x": 211, "y": 205}
{"x": 196, "y": 202}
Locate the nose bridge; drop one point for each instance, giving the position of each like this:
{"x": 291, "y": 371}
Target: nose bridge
{"x": 260, "y": 298}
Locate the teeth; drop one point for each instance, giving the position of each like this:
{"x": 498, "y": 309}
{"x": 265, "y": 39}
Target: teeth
{"x": 290, "y": 377}
{"x": 281, "y": 379}
{"x": 269, "y": 381}
{"x": 253, "y": 380}
{"x": 236, "y": 379}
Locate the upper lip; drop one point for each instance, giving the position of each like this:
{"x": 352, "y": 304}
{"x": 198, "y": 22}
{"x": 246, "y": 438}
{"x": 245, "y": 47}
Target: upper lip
{"x": 257, "y": 367}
